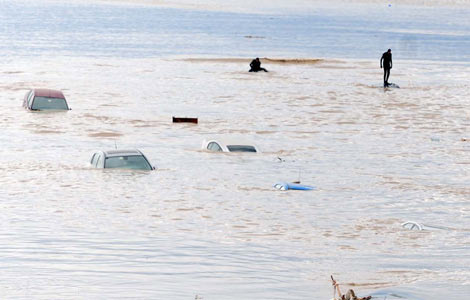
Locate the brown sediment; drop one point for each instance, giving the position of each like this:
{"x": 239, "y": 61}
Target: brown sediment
{"x": 217, "y": 60}
{"x": 296, "y": 61}
{"x": 239, "y": 226}
{"x": 144, "y": 126}
{"x": 185, "y": 209}
{"x": 45, "y": 131}
{"x": 371, "y": 284}
{"x": 347, "y": 247}
{"x": 100, "y": 118}
{"x": 136, "y": 121}
{"x": 401, "y": 272}
{"x": 105, "y": 134}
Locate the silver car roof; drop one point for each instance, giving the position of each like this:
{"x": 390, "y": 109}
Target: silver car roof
{"x": 127, "y": 152}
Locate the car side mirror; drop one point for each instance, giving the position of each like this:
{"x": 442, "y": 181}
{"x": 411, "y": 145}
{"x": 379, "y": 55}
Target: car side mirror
{"x": 154, "y": 168}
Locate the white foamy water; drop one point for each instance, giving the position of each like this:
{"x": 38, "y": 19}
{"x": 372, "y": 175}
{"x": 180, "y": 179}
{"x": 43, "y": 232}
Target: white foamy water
{"x": 210, "y": 224}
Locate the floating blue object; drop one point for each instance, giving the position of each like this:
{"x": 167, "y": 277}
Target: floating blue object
{"x": 284, "y": 186}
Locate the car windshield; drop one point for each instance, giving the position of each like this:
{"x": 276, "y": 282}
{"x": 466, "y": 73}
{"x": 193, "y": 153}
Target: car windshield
{"x": 44, "y": 103}
{"x": 133, "y": 162}
{"x": 241, "y": 148}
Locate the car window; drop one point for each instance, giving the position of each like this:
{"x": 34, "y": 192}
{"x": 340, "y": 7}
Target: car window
{"x": 213, "y": 146}
{"x": 241, "y": 148}
{"x": 45, "y": 103}
{"x": 134, "y": 162}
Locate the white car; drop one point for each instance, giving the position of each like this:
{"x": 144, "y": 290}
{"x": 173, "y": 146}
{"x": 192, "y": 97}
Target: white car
{"x": 121, "y": 159}
{"x": 228, "y": 146}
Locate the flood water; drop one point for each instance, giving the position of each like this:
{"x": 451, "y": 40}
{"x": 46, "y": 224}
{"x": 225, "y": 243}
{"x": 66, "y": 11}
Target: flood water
{"x": 211, "y": 226}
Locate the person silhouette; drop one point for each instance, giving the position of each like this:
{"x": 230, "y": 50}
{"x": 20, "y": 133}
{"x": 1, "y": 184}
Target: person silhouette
{"x": 387, "y": 65}
{"x": 255, "y": 66}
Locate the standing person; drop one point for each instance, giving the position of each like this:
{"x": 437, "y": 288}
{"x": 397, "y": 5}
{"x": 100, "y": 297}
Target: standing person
{"x": 387, "y": 65}
{"x": 255, "y": 66}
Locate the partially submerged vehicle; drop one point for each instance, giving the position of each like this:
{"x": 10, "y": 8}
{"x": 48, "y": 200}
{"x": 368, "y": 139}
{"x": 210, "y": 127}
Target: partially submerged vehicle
{"x": 228, "y": 146}
{"x": 284, "y": 186}
{"x": 45, "y": 99}
{"x": 121, "y": 159}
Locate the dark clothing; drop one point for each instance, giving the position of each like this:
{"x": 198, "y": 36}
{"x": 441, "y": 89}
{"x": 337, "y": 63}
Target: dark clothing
{"x": 386, "y": 76}
{"x": 387, "y": 60}
{"x": 257, "y": 70}
{"x": 255, "y": 66}
{"x": 387, "y": 65}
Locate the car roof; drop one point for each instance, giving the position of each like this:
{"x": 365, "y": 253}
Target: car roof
{"x": 232, "y": 141}
{"x": 48, "y": 93}
{"x": 125, "y": 152}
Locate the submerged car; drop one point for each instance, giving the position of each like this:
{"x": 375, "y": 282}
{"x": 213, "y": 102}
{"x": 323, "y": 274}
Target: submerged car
{"x": 45, "y": 99}
{"x": 121, "y": 159}
{"x": 228, "y": 146}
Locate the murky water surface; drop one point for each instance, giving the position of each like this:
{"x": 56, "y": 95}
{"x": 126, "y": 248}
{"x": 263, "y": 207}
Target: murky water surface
{"x": 210, "y": 224}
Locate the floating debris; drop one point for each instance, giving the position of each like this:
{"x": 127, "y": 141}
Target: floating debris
{"x": 184, "y": 120}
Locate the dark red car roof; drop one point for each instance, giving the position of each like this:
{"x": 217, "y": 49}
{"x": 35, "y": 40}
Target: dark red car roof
{"x": 48, "y": 93}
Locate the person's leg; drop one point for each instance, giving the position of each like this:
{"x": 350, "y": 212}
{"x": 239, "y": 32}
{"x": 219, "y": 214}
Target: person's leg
{"x": 263, "y": 69}
{"x": 386, "y": 75}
